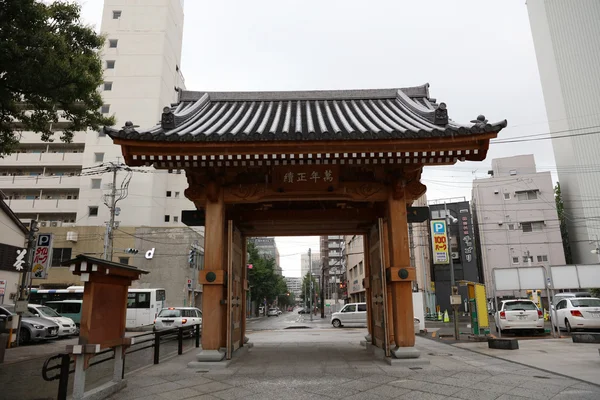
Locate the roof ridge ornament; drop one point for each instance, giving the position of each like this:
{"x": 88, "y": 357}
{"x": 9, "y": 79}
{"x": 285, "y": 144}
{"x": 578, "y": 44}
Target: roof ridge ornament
{"x": 440, "y": 115}
{"x": 129, "y": 127}
{"x": 167, "y": 120}
{"x": 480, "y": 121}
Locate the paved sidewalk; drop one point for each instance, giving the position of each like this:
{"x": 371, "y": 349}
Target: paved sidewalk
{"x": 561, "y": 356}
{"x": 330, "y": 364}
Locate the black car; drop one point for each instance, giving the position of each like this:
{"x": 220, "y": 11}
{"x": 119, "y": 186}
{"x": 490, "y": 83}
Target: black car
{"x": 303, "y": 311}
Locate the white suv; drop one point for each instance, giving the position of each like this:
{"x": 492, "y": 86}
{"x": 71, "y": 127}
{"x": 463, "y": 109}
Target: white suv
{"x": 519, "y": 315}
{"x": 177, "y": 317}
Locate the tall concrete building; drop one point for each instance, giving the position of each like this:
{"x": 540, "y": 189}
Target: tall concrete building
{"x": 566, "y": 35}
{"x": 355, "y": 260}
{"x": 294, "y": 285}
{"x": 267, "y": 247}
{"x": 515, "y": 218}
{"x": 305, "y": 264}
{"x": 58, "y": 183}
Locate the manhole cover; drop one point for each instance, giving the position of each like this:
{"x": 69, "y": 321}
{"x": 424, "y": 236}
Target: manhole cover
{"x": 440, "y": 354}
{"x": 298, "y": 327}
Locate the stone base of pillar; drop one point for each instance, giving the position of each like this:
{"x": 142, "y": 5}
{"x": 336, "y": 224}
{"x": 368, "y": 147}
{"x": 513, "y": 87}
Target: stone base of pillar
{"x": 210, "y": 355}
{"x": 246, "y": 339}
{"x": 403, "y": 353}
{"x": 368, "y": 338}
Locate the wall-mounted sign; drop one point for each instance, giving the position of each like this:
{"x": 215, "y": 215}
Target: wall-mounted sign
{"x": 305, "y": 177}
{"x": 42, "y": 256}
{"x": 439, "y": 242}
{"x": 2, "y": 287}
{"x": 150, "y": 254}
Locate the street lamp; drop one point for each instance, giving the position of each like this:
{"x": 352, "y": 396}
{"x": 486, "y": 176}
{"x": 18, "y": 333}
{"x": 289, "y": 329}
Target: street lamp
{"x": 453, "y": 289}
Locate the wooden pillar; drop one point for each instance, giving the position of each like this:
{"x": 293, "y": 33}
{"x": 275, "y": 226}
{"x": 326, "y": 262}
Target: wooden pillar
{"x": 367, "y": 285}
{"x": 213, "y": 311}
{"x": 245, "y": 287}
{"x": 389, "y": 298}
{"x": 401, "y": 273}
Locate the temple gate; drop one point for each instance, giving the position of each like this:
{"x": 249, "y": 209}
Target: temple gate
{"x": 306, "y": 163}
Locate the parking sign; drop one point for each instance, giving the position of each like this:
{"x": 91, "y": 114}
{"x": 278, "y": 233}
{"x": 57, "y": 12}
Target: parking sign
{"x": 42, "y": 256}
{"x": 439, "y": 242}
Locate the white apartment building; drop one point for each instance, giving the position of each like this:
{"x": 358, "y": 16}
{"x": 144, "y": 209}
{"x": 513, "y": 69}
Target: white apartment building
{"x": 514, "y": 215}
{"x": 55, "y": 183}
{"x": 355, "y": 260}
{"x": 566, "y": 35}
{"x": 294, "y": 285}
{"x": 305, "y": 265}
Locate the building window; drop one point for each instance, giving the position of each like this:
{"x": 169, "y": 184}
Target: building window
{"x": 117, "y": 14}
{"x": 105, "y": 109}
{"x": 110, "y": 64}
{"x": 512, "y": 172}
{"x": 506, "y": 196}
{"x": 527, "y": 259}
{"x": 175, "y": 219}
{"x": 59, "y": 255}
{"x": 176, "y": 195}
{"x": 528, "y": 195}
{"x": 360, "y": 267}
{"x": 124, "y": 260}
{"x": 108, "y": 85}
{"x": 96, "y": 183}
{"x": 112, "y": 43}
{"x": 167, "y": 218}
{"x": 168, "y": 193}
{"x": 543, "y": 258}
{"x": 98, "y": 157}
{"x": 93, "y": 211}
{"x": 515, "y": 260}
{"x": 511, "y": 227}
{"x": 532, "y": 226}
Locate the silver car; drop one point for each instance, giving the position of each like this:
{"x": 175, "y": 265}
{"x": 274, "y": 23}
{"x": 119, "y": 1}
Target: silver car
{"x": 32, "y": 328}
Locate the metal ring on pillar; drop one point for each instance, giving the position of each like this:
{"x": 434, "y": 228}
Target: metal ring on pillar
{"x": 211, "y": 276}
{"x": 403, "y": 273}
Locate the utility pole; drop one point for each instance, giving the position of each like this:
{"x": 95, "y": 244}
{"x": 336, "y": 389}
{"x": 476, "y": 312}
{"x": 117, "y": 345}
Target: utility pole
{"x": 322, "y": 290}
{"x": 453, "y": 288}
{"x": 111, "y": 201}
{"x": 26, "y": 273}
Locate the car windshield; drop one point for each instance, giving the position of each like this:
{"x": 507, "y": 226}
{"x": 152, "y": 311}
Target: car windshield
{"x": 47, "y": 312}
{"x": 586, "y": 303}
{"x": 519, "y": 305}
{"x": 272, "y": 309}
{"x": 166, "y": 313}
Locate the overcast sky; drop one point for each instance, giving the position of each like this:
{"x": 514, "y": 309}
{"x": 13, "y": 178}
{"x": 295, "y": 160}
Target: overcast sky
{"x": 477, "y": 55}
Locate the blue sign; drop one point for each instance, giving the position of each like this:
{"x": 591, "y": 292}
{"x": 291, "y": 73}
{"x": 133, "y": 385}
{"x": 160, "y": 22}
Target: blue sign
{"x": 439, "y": 227}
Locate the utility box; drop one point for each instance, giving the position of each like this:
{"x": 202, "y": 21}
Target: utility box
{"x": 480, "y": 323}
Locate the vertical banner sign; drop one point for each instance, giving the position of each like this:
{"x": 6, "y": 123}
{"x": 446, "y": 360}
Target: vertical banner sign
{"x": 439, "y": 241}
{"x": 2, "y": 287}
{"x": 42, "y": 256}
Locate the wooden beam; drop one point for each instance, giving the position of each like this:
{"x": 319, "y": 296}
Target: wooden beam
{"x": 323, "y": 216}
{"x": 256, "y": 193}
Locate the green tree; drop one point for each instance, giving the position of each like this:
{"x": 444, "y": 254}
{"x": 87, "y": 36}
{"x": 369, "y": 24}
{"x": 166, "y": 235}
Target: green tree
{"x": 265, "y": 283}
{"x": 307, "y": 291}
{"x": 560, "y": 209}
{"x": 50, "y": 68}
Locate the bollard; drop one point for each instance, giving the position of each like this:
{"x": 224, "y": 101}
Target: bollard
{"x": 156, "y": 348}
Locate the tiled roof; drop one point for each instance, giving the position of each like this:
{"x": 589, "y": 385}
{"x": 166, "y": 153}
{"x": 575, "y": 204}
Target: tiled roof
{"x": 305, "y": 115}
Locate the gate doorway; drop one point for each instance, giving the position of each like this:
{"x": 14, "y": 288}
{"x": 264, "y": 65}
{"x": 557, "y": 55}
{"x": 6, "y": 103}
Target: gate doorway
{"x": 305, "y": 163}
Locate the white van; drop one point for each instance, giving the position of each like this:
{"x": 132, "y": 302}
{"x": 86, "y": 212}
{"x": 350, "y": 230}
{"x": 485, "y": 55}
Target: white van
{"x": 351, "y": 314}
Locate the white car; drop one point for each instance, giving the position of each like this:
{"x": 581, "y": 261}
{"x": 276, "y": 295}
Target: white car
{"x": 177, "y": 317}
{"x": 66, "y": 326}
{"x": 273, "y": 312}
{"x": 578, "y": 313}
{"x": 351, "y": 314}
{"x": 519, "y": 315}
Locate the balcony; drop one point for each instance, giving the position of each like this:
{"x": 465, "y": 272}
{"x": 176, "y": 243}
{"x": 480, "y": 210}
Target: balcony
{"x": 39, "y": 182}
{"x": 43, "y": 206}
{"x": 41, "y": 159}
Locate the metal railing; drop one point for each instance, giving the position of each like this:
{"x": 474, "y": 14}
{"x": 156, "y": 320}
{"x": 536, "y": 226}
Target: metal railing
{"x": 64, "y": 365}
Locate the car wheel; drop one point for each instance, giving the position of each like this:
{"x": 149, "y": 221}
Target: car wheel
{"x": 336, "y": 323}
{"x": 24, "y": 336}
{"x": 568, "y": 326}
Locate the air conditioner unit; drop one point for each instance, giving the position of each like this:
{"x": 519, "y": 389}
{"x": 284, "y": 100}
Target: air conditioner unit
{"x": 43, "y": 224}
{"x": 496, "y": 191}
{"x": 54, "y": 224}
{"x": 72, "y": 236}
{"x": 500, "y": 222}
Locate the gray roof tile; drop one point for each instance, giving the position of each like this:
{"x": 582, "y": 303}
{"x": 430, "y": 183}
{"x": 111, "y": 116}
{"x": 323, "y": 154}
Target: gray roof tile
{"x": 304, "y": 115}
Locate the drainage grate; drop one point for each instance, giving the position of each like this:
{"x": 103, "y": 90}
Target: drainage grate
{"x": 440, "y": 354}
{"x": 541, "y": 377}
{"x": 298, "y": 327}
{"x": 415, "y": 368}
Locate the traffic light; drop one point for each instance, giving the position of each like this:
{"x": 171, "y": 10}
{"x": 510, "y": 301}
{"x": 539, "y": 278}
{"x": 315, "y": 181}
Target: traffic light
{"x": 131, "y": 251}
{"x": 189, "y": 284}
{"x": 192, "y": 256}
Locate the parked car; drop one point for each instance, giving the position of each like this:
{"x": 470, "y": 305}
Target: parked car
{"x": 32, "y": 328}
{"x": 352, "y": 313}
{"x": 66, "y": 325}
{"x": 67, "y": 308}
{"x": 519, "y": 315}
{"x": 177, "y": 317}
{"x": 578, "y": 313}
{"x": 273, "y": 312}
{"x": 303, "y": 311}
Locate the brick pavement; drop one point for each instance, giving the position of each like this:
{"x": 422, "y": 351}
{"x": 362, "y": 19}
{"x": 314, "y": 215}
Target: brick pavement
{"x": 330, "y": 364}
